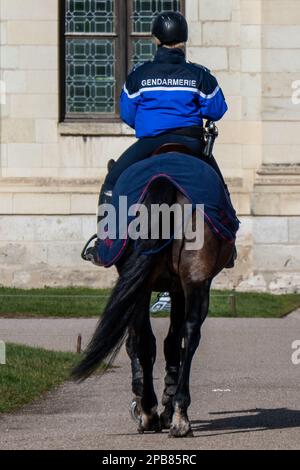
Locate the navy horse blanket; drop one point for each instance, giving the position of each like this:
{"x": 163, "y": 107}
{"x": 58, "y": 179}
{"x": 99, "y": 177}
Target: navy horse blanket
{"x": 194, "y": 178}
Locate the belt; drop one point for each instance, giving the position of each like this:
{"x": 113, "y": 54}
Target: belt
{"x": 192, "y": 131}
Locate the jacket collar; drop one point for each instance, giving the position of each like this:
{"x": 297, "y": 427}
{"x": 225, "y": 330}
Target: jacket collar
{"x": 166, "y": 55}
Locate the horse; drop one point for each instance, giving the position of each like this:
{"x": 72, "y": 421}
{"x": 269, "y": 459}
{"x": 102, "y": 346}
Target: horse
{"x": 187, "y": 275}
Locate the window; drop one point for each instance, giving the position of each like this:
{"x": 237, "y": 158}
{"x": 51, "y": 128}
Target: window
{"x": 101, "y": 41}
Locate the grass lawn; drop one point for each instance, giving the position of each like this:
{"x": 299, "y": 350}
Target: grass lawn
{"x": 83, "y": 302}
{"x": 29, "y": 372}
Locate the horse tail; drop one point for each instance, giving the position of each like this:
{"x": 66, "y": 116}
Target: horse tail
{"x": 122, "y": 307}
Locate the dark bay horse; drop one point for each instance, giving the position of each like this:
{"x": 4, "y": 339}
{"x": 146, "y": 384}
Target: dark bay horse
{"x": 187, "y": 275}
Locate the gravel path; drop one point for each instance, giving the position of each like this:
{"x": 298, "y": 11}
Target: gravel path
{"x": 245, "y": 391}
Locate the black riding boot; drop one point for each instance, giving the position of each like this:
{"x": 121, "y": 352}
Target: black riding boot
{"x": 91, "y": 254}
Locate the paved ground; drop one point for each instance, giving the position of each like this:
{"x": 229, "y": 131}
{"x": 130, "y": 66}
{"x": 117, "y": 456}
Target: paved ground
{"x": 245, "y": 391}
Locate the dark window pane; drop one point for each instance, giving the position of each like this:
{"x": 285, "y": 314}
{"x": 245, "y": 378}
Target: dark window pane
{"x": 90, "y": 16}
{"x": 143, "y": 50}
{"x": 90, "y": 76}
{"x": 145, "y": 10}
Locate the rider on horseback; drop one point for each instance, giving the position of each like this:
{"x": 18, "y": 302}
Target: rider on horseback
{"x": 166, "y": 101}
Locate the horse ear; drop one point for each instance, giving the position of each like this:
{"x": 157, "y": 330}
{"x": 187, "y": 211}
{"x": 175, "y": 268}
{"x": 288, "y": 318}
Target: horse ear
{"x": 110, "y": 164}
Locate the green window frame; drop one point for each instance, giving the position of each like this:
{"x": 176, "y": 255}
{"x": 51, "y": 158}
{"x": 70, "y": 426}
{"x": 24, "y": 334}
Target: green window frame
{"x": 101, "y": 41}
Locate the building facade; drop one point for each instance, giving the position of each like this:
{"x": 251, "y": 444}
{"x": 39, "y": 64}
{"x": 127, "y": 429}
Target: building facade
{"x": 62, "y": 65}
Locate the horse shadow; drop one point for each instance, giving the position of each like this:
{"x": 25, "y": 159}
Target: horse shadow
{"x": 257, "y": 419}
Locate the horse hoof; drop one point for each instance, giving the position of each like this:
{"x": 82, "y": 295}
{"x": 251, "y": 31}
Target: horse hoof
{"x": 165, "y": 421}
{"x": 180, "y": 432}
{"x": 149, "y": 423}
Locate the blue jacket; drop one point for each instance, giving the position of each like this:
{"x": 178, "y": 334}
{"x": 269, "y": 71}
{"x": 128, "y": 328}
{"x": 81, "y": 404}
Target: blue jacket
{"x": 170, "y": 93}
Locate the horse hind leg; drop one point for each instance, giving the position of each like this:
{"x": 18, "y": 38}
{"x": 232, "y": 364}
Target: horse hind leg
{"x": 197, "y": 302}
{"x": 141, "y": 348}
{"x": 149, "y": 419}
{"x": 172, "y": 351}
{"x": 137, "y": 375}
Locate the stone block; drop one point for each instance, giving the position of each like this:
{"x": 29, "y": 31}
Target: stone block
{"x": 229, "y": 156}
{"x": 42, "y": 106}
{"x": 280, "y": 109}
{"x": 279, "y": 84}
{"x": 9, "y": 57}
{"x": 42, "y": 204}
{"x": 89, "y": 226}
{"x": 251, "y": 108}
{"x": 209, "y": 11}
{"x": 51, "y": 155}
{"x": 38, "y": 57}
{"x": 230, "y": 82}
{"x": 270, "y": 230}
{"x": 294, "y": 230}
{"x": 281, "y": 60}
{"x": 284, "y": 258}
{"x": 24, "y": 155}
{"x": 192, "y": 10}
{"x": 30, "y": 172}
{"x": 251, "y": 85}
{"x": 251, "y": 12}
{"x": 221, "y": 34}
{"x": 251, "y": 156}
{"x": 3, "y": 33}
{"x": 42, "y": 82}
{"x": 195, "y": 33}
{"x": 35, "y": 10}
{"x": 84, "y": 203}
{"x": 3, "y": 154}
{"x": 290, "y": 203}
{"x": 281, "y": 133}
{"x": 215, "y": 58}
{"x": 266, "y": 204}
{"x": 284, "y": 283}
{"x": 250, "y": 36}
{"x": 277, "y": 12}
{"x": 17, "y": 131}
{"x": 46, "y": 130}
{"x": 55, "y": 229}
{"x": 234, "y": 112}
{"x": 281, "y": 154}
{"x": 16, "y": 229}
{"x": 6, "y": 203}
{"x": 251, "y": 60}
{"x": 65, "y": 254}
{"x": 234, "y": 55}
{"x": 15, "y": 81}
{"x": 32, "y": 33}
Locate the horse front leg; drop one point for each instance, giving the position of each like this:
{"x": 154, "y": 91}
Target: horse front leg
{"x": 197, "y": 303}
{"x": 172, "y": 352}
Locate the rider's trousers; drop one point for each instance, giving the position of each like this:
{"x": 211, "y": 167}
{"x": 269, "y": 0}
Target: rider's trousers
{"x": 145, "y": 147}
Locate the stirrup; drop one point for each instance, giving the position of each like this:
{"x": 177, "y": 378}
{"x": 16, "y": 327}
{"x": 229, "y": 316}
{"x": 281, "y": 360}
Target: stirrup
{"x": 84, "y": 254}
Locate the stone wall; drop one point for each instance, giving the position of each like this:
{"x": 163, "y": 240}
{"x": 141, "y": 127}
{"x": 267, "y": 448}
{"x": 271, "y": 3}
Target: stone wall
{"x": 50, "y": 172}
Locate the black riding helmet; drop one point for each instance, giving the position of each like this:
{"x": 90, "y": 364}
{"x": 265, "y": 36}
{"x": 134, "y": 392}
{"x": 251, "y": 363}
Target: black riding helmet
{"x": 170, "y": 28}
